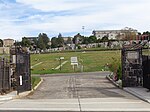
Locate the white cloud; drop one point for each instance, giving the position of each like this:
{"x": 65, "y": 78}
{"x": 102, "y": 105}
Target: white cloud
{"x": 68, "y": 16}
{"x": 53, "y": 5}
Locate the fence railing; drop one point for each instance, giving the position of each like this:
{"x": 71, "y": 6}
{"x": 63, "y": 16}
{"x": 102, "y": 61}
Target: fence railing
{"x": 5, "y": 80}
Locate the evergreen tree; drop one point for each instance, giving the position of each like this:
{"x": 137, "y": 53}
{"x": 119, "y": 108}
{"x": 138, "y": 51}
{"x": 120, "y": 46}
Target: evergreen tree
{"x": 54, "y": 42}
{"x": 43, "y": 41}
{"x": 60, "y": 40}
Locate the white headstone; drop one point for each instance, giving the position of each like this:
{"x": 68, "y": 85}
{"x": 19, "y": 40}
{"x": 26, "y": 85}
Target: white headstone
{"x": 62, "y": 58}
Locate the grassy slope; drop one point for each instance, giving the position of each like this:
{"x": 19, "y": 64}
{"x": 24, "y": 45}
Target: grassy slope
{"x": 92, "y": 61}
{"x": 35, "y": 80}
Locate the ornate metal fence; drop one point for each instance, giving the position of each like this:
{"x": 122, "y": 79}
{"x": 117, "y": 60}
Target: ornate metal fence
{"x": 5, "y": 80}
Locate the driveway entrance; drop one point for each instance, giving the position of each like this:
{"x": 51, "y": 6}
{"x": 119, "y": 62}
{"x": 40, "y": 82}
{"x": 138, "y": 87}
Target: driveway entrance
{"x": 81, "y": 85}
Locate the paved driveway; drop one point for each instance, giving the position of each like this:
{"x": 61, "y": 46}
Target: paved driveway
{"x": 77, "y": 92}
{"x": 83, "y": 85}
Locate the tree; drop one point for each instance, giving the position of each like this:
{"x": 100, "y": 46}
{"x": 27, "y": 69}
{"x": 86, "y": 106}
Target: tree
{"x": 35, "y": 43}
{"x": 146, "y": 33}
{"x": 41, "y": 44}
{"x": 85, "y": 40}
{"x": 78, "y": 39}
{"x": 25, "y": 42}
{"x": 54, "y": 42}
{"x": 99, "y": 40}
{"x": 18, "y": 43}
{"x": 69, "y": 41}
{"x": 92, "y": 39}
{"x": 59, "y": 35}
{"x": 105, "y": 39}
{"x": 60, "y": 40}
{"x": 43, "y": 41}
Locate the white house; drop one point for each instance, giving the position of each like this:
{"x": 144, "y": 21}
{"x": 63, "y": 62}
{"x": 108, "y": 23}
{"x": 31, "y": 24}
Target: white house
{"x": 113, "y": 34}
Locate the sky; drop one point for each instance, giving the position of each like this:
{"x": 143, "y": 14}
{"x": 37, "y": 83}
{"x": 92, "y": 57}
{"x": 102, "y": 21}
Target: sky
{"x": 23, "y": 18}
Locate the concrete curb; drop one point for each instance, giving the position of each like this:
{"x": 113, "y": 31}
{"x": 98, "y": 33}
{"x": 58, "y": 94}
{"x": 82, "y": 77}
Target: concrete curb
{"x": 69, "y": 74}
{"x": 28, "y": 92}
{"x": 38, "y": 84}
{"x": 114, "y": 83}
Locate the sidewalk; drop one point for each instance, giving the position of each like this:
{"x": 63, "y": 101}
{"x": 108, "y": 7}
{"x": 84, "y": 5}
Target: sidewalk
{"x": 8, "y": 96}
{"x": 13, "y": 95}
{"x": 139, "y": 92}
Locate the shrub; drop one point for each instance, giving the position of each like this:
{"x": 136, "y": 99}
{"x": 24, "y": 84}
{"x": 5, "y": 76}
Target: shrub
{"x": 115, "y": 67}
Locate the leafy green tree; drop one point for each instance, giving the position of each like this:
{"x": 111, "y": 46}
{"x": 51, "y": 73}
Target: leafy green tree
{"x": 99, "y": 40}
{"x": 92, "y": 39}
{"x": 146, "y": 33}
{"x": 85, "y": 40}
{"x": 18, "y": 43}
{"x": 25, "y": 42}
{"x": 105, "y": 39}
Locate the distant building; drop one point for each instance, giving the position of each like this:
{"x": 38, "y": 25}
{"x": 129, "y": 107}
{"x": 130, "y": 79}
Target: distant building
{"x": 8, "y": 42}
{"x": 114, "y": 34}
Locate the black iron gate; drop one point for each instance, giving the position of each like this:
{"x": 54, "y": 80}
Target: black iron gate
{"x": 5, "y": 83}
{"x": 146, "y": 71}
{"x": 132, "y": 66}
{"x": 23, "y": 70}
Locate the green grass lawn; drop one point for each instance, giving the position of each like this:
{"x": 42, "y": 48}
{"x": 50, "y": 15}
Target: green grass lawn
{"x": 35, "y": 80}
{"x": 91, "y": 61}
